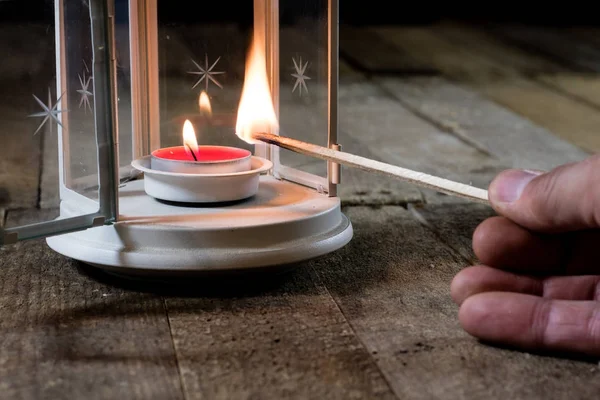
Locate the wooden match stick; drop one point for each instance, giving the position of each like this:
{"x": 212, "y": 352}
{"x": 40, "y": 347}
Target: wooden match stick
{"x": 351, "y": 160}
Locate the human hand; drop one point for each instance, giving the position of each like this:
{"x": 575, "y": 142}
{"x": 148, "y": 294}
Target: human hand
{"x": 538, "y": 287}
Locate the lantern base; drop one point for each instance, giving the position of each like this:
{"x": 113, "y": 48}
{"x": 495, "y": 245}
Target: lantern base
{"x": 283, "y": 224}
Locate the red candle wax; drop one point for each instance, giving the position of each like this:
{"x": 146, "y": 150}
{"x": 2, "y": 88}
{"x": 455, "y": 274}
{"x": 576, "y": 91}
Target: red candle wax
{"x": 203, "y": 154}
{"x": 209, "y": 160}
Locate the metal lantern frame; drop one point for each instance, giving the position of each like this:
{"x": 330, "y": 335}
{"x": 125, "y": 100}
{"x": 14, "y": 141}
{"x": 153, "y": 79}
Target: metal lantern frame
{"x": 78, "y": 212}
{"x": 145, "y": 108}
{"x": 105, "y": 210}
{"x": 145, "y": 91}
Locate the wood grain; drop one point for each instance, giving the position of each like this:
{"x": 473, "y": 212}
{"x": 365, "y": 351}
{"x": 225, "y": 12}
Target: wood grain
{"x": 284, "y": 340}
{"x": 20, "y": 163}
{"x": 562, "y": 115}
{"x": 64, "y": 335}
{"x": 485, "y": 44}
{"x": 453, "y": 225}
{"x": 392, "y": 283}
{"x": 395, "y": 135}
{"x": 585, "y": 88}
{"x": 568, "y": 118}
{"x": 556, "y": 44}
{"x": 424, "y": 44}
{"x": 500, "y": 131}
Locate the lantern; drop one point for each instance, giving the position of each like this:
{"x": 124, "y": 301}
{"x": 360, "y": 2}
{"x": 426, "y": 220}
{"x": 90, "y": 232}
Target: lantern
{"x": 148, "y": 116}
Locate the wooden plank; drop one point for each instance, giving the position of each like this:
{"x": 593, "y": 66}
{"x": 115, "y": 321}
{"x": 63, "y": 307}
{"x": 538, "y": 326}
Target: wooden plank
{"x": 392, "y": 283}
{"x": 516, "y": 141}
{"x": 389, "y": 132}
{"x": 285, "y": 340}
{"x": 20, "y": 161}
{"x": 580, "y": 86}
{"x": 27, "y": 69}
{"x": 464, "y": 53}
{"x": 26, "y": 46}
{"x": 65, "y": 335}
{"x": 485, "y": 44}
{"x": 423, "y": 44}
{"x": 585, "y": 88}
{"x": 554, "y": 43}
{"x": 565, "y": 117}
{"x": 359, "y": 49}
{"x": 453, "y": 225}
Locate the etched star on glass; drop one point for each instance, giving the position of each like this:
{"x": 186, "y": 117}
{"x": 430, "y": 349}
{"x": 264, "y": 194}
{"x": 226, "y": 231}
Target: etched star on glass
{"x": 50, "y": 111}
{"x": 85, "y": 93}
{"x": 301, "y": 78}
{"x": 206, "y": 73}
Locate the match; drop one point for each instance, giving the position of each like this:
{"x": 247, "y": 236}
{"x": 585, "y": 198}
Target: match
{"x": 351, "y": 160}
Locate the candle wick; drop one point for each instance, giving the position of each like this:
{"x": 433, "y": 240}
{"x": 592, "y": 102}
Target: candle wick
{"x": 191, "y": 151}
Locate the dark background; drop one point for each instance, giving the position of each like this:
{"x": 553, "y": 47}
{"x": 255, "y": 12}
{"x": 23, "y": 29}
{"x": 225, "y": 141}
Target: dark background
{"x": 351, "y": 12}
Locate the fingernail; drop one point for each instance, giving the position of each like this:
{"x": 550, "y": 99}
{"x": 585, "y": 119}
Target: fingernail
{"x": 508, "y": 186}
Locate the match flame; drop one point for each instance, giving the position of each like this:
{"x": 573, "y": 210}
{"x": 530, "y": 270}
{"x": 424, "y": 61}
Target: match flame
{"x": 204, "y": 103}
{"x": 256, "y": 113}
{"x": 189, "y": 139}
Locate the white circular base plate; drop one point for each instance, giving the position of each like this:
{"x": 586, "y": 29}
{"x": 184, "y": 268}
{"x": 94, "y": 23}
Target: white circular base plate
{"x": 284, "y": 223}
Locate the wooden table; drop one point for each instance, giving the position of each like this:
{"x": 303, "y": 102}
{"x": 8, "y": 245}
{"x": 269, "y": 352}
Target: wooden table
{"x": 373, "y": 320}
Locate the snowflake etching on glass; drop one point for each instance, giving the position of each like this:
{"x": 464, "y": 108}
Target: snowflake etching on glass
{"x": 50, "y": 111}
{"x": 206, "y": 73}
{"x": 300, "y": 76}
{"x": 85, "y": 92}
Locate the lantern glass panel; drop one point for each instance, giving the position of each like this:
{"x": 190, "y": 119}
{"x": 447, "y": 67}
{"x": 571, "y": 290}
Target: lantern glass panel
{"x": 77, "y": 92}
{"x": 48, "y": 127}
{"x": 202, "y": 54}
{"x": 303, "y": 72}
{"x": 199, "y": 53}
{"x": 123, "y": 87}
{"x": 82, "y": 162}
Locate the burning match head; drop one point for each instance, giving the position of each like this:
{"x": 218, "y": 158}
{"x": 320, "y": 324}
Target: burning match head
{"x": 256, "y": 112}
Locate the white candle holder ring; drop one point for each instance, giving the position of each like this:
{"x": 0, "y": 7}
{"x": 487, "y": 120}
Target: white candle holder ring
{"x": 185, "y": 187}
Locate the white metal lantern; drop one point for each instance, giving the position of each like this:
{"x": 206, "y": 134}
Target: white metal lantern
{"x": 136, "y": 96}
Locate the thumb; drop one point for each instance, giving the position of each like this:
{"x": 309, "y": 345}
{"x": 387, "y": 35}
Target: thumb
{"x": 564, "y": 199}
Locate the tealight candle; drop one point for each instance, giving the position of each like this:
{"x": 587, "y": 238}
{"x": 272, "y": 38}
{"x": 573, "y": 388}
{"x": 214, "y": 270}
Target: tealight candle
{"x": 193, "y": 159}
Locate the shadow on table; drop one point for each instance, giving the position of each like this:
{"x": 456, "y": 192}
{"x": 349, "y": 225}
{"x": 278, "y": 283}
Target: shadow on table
{"x": 222, "y": 285}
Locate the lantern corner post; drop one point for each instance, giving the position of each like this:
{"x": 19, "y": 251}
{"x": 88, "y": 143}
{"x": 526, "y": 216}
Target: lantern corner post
{"x": 333, "y": 169}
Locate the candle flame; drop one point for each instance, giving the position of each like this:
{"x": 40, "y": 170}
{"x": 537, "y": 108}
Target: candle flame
{"x": 255, "y": 112}
{"x": 189, "y": 139}
{"x": 204, "y": 103}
